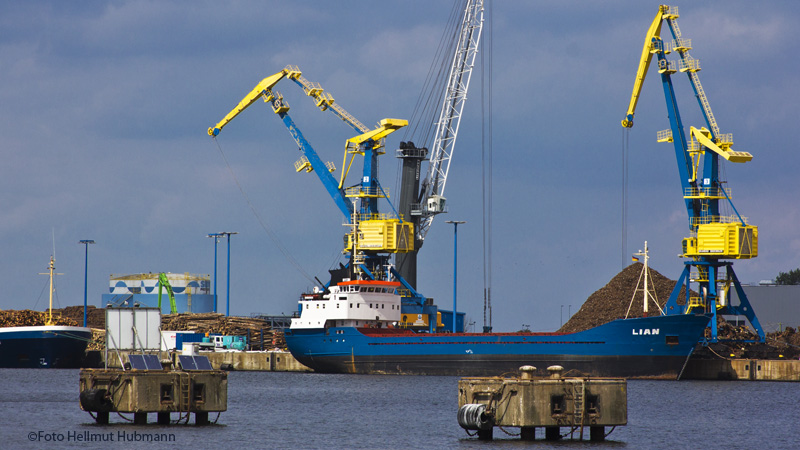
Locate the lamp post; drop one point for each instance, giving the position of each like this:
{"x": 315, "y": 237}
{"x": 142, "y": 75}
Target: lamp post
{"x": 86, "y": 243}
{"x": 455, "y": 265}
{"x": 228, "y": 284}
{"x": 216, "y": 237}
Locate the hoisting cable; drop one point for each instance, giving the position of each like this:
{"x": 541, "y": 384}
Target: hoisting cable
{"x": 429, "y": 100}
{"x": 261, "y": 221}
{"x": 424, "y": 116}
{"x": 624, "y": 208}
{"x": 486, "y": 169}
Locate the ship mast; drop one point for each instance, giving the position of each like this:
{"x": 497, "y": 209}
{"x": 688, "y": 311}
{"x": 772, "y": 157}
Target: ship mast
{"x": 644, "y": 276}
{"x": 51, "y": 269}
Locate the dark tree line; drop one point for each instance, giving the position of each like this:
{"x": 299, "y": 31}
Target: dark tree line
{"x": 790, "y": 277}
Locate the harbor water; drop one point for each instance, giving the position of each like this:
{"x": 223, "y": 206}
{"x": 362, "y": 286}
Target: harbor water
{"x": 39, "y": 409}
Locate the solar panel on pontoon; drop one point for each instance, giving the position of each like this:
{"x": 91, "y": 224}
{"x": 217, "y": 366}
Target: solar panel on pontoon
{"x": 202, "y": 363}
{"x": 137, "y": 362}
{"x": 152, "y": 362}
{"x": 187, "y": 362}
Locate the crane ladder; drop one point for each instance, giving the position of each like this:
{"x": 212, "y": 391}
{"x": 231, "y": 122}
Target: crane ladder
{"x": 683, "y": 46}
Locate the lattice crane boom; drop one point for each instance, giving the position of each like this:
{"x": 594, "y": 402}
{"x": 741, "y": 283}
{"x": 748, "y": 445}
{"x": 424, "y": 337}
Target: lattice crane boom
{"x": 432, "y": 199}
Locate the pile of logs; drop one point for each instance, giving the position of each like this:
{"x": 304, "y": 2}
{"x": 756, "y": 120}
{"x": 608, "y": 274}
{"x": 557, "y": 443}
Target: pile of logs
{"x": 257, "y": 330}
{"x": 98, "y": 341}
{"x": 95, "y": 317}
{"x": 254, "y": 329}
{"x": 28, "y": 318}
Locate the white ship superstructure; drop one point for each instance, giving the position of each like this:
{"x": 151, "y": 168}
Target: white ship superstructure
{"x": 358, "y": 303}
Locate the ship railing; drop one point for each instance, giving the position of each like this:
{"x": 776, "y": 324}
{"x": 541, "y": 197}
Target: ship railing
{"x": 379, "y": 216}
{"x": 716, "y": 219}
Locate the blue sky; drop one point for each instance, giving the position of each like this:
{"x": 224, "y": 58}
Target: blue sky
{"x": 105, "y": 106}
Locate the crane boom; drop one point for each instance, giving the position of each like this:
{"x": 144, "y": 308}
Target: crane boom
{"x": 264, "y": 87}
{"x": 644, "y": 63}
{"x": 432, "y": 199}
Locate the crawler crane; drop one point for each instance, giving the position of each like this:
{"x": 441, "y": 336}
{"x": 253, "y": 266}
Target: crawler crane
{"x": 715, "y": 239}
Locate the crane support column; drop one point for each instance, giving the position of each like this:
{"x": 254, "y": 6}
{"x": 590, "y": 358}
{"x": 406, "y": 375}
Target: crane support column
{"x": 409, "y": 187}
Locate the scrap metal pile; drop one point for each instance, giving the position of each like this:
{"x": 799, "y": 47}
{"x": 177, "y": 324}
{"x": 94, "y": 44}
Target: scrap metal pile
{"x": 612, "y": 301}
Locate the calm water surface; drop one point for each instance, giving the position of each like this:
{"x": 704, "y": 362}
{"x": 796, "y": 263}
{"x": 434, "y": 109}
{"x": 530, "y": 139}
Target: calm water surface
{"x": 39, "y": 409}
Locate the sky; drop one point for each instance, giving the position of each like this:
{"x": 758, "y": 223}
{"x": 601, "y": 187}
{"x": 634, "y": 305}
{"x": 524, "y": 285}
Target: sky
{"x": 105, "y": 106}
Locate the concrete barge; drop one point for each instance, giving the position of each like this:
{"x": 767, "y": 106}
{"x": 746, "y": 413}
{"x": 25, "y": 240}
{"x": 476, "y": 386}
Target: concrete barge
{"x": 549, "y": 403}
{"x": 156, "y": 387}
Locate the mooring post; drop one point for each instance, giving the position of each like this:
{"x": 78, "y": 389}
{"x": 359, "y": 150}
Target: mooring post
{"x": 201, "y": 418}
{"x": 140, "y": 418}
{"x": 597, "y": 433}
{"x": 552, "y": 433}
{"x": 163, "y": 418}
{"x": 527, "y": 433}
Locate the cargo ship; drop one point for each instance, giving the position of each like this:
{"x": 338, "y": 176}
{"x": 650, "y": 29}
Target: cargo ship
{"x": 44, "y": 346}
{"x": 47, "y": 346}
{"x": 358, "y": 327}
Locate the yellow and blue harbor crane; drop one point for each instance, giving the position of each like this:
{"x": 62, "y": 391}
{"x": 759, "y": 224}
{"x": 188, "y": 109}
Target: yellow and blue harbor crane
{"x": 373, "y": 236}
{"x": 715, "y": 238}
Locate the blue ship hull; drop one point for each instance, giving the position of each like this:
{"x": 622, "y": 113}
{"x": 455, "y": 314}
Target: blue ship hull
{"x": 656, "y": 347}
{"x": 61, "y": 347}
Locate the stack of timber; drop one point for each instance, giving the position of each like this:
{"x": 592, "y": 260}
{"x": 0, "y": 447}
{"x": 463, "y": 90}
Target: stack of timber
{"x": 258, "y": 330}
{"x": 28, "y": 318}
{"x": 211, "y": 323}
{"x": 95, "y": 317}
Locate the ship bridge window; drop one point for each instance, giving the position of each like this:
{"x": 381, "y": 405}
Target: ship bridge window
{"x": 351, "y": 306}
{"x": 342, "y": 298}
{"x": 371, "y": 289}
